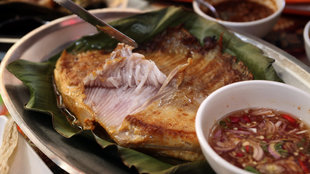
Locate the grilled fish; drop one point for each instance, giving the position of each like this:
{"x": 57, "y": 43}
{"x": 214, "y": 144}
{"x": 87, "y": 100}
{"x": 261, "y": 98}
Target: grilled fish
{"x": 147, "y": 98}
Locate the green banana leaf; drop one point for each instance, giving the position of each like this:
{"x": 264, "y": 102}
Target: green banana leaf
{"x": 38, "y": 77}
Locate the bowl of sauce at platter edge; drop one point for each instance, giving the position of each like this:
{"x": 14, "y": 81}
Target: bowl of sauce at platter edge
{"x": 244, "y": 95}
{"x": 256, "y": 17}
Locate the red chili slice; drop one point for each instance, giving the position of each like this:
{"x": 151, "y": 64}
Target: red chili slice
{"x": 303, "y": 166}
{"x": 234, "y": 119}
{"x": 238, "y": 154}
{"x": 289, "y": 118}
{"x": 247, "y": 148}
{"x": 246, "y": 119}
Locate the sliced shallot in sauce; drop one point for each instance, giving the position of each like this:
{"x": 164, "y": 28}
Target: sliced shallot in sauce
{"x": 263, "y": 140}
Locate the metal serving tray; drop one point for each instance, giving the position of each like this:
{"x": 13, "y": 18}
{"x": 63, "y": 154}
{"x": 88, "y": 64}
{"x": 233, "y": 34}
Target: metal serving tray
{"x": 77, "y": 155}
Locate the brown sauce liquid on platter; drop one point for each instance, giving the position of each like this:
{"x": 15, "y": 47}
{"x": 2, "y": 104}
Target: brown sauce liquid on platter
{"x": 70, "y": 117}
{"x": 240, "y": 10}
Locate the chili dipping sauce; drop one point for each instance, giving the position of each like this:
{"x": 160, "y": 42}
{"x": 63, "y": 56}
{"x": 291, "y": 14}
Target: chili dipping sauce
{"x": 263, "y": 140}
{"x": 240, "y": 10}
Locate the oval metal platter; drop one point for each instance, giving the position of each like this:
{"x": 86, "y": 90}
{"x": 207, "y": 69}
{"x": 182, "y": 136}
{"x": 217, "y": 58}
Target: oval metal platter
{"x": 77, "y": 155}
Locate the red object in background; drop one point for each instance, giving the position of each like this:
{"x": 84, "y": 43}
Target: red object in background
{"x": 287, "y": 1}
{"x": 183, "y": 0}
{"x": 299, "y": 7}
{"x": 3, "y": 110}
{"x": 297, "y": 1}
{"x": 20, "y": 131}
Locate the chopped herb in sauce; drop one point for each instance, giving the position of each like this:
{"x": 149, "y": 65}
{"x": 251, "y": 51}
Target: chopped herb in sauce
{"x": 278, "y": 147}
{"x": 263, "y": 141}
{"x": 264, "y": 146}
{"x": 301, "y": 143}
{"x": 223, "y": 124}
{"x": 251, "y": 169}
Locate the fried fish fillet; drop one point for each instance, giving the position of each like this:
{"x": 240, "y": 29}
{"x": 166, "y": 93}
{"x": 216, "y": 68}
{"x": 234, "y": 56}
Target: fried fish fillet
{"x": 147, "y": 99}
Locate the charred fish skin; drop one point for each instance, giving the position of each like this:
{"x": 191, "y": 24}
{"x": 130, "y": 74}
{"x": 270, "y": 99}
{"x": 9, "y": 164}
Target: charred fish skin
{"x": 156, "y": 111}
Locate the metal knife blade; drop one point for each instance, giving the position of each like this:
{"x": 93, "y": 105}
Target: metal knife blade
{"x": 95, "y": 21}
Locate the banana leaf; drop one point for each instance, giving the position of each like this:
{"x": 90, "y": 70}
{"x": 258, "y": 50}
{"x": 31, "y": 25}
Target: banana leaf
{"x": 38, "y": 77}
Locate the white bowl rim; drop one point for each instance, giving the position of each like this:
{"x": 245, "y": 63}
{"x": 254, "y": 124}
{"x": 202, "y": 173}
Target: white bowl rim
{"x": 200, "y": 135}
{"x": 306, "y": 33}
{"x": 235, "y": 24}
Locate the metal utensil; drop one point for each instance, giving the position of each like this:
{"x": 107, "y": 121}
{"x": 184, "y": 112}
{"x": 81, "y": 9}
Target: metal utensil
{"x": 209, "y": 6}
{"x": 95, "y": 21}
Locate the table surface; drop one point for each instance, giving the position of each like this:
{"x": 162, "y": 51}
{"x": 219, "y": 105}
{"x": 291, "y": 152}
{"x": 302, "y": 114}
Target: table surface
{"x": 287, "y": 34}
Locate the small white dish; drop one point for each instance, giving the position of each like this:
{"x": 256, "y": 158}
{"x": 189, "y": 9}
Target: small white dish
{"x": 257, "y": 28}
{"x": 24, "y": 160}
{"x": 243, "y": 95}
{"x": 307, "y": 39}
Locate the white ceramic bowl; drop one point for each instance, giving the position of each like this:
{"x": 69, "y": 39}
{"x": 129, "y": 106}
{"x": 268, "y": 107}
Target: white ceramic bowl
{"x": 257, "y": 28}
{"x": 242, "y": 95}
{"x": 307, "y": 39}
